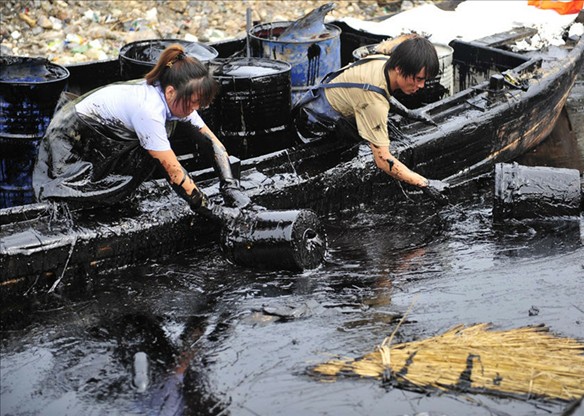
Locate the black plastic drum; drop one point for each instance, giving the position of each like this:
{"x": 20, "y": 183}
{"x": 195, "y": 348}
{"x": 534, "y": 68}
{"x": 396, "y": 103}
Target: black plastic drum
{"x": 523, "y": 192}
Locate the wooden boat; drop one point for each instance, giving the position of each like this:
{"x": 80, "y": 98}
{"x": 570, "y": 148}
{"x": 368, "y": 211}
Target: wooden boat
{"x": 504, "y": 104}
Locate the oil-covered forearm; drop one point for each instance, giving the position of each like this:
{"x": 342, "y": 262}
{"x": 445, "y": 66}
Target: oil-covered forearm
{"x": 179, "y": 179}
{"x": 220, "y": 157}
{"x": 385, "y": 161}
{"x": 230, "y": 190}
{"x": 398, "y": 170}
{"x": 175, "y": 173}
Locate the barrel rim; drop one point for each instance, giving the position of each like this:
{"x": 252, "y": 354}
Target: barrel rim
{"x": 62, "y": 76}
{"x": 449, "y": 48}
{"x": 19, "y": 137}
{"x": 286, "y": 67}
{"x": 170, "y": 41}
{"x": 334, "y": 28}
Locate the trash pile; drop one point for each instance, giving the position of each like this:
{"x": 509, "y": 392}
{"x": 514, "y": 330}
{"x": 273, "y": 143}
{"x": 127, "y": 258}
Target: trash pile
{"x": 69, "y": 32}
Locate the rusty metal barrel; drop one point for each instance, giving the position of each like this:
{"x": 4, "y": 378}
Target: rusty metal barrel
{"x": 524, "y": 192}
{"x": 282, "y": 240}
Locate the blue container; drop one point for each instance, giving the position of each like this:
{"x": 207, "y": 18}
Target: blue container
{"x": 310, "y": 59}
{"x": 29, "y": 92}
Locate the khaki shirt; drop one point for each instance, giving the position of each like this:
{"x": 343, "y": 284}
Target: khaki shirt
{"x": 369, "y": 108}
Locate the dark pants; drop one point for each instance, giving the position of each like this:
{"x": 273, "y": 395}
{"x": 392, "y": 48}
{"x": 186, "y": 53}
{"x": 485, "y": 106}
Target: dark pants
{"x": 314, "y": 119}
{"x": 83, "y": 161}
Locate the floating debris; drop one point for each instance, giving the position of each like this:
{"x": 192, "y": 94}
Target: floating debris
{"x": 141, "y": 378}
{"x": 526, "y": 361}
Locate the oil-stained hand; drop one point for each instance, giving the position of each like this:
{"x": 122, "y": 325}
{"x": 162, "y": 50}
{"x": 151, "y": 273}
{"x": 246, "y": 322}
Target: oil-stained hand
{"x": 197, "y": 200}
{"x": 234, "y": 197}
{"x": 435, "y": 190}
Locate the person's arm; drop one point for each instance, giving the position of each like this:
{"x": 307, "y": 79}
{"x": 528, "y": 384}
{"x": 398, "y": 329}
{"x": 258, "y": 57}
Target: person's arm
{"x": 229, "y": 187}
{"x": 385, "y": 161}
{"x": 387, "y": 46}
{"x": 179, "y": 178}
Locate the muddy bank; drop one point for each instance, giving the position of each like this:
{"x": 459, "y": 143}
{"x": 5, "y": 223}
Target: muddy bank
{"x": 69, "y": 32}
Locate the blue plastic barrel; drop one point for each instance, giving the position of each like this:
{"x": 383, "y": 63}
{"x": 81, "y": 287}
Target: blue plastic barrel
{"x": 311, "y": 59}
{"x": 29, "y": 92}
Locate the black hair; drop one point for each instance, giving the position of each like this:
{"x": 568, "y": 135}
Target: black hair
{"x": 186, "y": 74}
{"x": 413, "y": 55}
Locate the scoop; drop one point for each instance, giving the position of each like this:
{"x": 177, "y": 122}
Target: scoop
{"x": 310, "y": 26}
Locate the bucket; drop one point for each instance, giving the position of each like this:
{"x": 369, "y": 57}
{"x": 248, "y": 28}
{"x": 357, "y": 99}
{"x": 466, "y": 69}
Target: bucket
{"x": 446, "y": 77}
{"x": 29, "y": 92}
{"x": 252, "y": 111}
{"x": 311, "y": 60}
{"x": 138, "y": 58}
{"x": 523, "y": 192}
{"x": 444, "y": 52}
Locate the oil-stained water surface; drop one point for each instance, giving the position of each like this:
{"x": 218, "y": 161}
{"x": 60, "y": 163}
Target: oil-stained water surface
{"x": 224, "y": 340}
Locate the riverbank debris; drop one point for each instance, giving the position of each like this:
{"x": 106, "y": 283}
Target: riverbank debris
{"x": 525, "y": 362}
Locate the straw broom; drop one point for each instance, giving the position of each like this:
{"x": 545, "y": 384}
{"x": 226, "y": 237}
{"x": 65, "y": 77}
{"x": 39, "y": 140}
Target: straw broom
{"x": 527, "y": 361}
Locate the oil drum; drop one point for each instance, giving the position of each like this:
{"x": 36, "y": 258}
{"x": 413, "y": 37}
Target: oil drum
{"x": 138, "y": 58}
{"x": 310, "y": 59}
{"x": 287, "y": 240}
{"x": 524, "y": 192}
{"x": 252, "y": 111}
{"x": 29, "y": 92}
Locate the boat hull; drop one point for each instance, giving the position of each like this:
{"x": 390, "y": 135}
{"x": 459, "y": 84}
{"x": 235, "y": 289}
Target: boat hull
{"x": 476, "y": 128}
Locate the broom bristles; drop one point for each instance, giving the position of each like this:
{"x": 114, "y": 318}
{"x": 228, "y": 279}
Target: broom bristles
{"x": 525, "y": 361}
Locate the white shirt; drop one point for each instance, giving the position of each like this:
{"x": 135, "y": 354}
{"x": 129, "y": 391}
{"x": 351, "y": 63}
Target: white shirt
{"x": 140, "y": 108}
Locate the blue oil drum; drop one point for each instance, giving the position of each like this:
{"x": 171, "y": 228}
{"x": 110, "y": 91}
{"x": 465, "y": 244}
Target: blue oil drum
{"x": 310, "y": 59}
{"x": 29, "y": 92}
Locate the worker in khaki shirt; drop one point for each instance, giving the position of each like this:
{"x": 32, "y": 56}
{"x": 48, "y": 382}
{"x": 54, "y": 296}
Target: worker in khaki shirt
{"x": 361, "y": 94}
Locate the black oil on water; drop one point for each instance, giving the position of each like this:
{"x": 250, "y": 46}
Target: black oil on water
{"x": 213, "y": 348}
